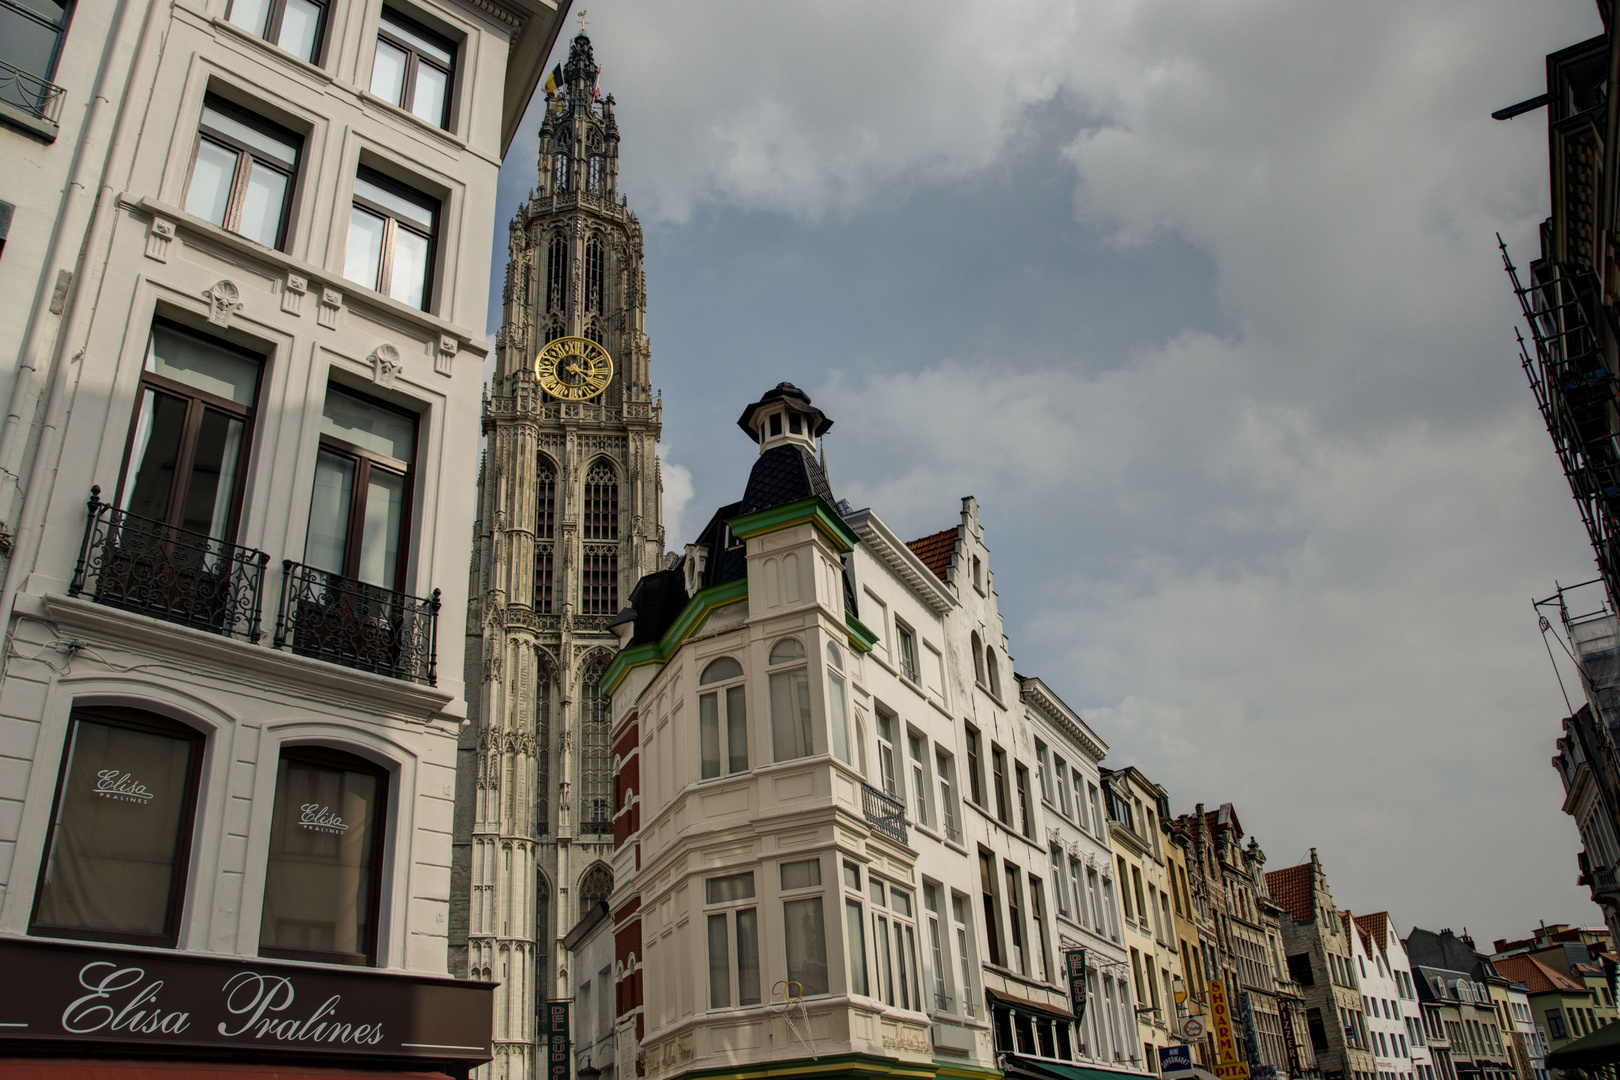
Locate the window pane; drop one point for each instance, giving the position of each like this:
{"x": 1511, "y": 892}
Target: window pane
{"x": 26, "y": 44}
{"x": 152, "y": 456}
{"x": 790, "y": 714}
{"x": 719, "y": 964}
{"x": 747, "y": 957}
{"x": 125, "y": 794}
{"x": 709, "y": 734}
{"x": 408, "y": 280}
{"x": 213, "y": 475}
{"x": 379, "y": 543}
{"x": 388, "y": 73}
{"x": 262, "y": 204}
{"x": 250, "y": 14}
{"x": 363, "y": 260}
{"x": 787, "y": 649}
{"x": 855, "y": 927}
{"x": 411, "y": 206}
{"x": 263, "y": 138}
{"x": 318, "y": 882}
{"x": 837, "y": 721}
{"x": 801, "y": 875}
{"x": 425, "y": 43}
{"x": 432, "y": 87}
{"x": 329, "y": 512}
{"x": 210, "y": 192}
{"x": 356, "y": 420}
{"x": 724, "y": 889}
{"x": 721, "y": 670}
{"x": 737, "y": 728}
{"x": 203, "y": 364}
{"x": 806, "y": 944}
{"x": 300, "y": 28}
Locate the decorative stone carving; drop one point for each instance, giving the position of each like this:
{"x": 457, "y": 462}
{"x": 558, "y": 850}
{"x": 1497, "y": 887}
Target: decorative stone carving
{"x": 448, "y": 346}
{"x": 158, "y": 235}
{"x": 292, "y": 293}
{"x": 385, "y": 365}
{"x": 224, "y": 300}
{"x": 331, "y": 303}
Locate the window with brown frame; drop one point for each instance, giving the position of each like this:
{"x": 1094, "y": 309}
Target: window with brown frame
{"x": 323, "y": 881}
{"x": 393, "y": 231}
{"x": 414, "y": 68}
{"x": 298, "y": 26}
{"x": 243, "y": 172}
{"x": 359, "y": 518}
{"x": 121, "y": 829}
{"x": 188, "y": 445}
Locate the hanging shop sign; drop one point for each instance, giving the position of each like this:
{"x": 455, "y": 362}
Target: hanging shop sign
{"x": 1075, "y": 963}
{"x": 86, "y": 994}
{"x": 1285, "y": 1013}
{"x": 1220, "y": 1013}
{"x": 559, "y": 1046}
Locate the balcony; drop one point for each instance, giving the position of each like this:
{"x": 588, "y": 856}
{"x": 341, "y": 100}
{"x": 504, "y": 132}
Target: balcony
{"x": 28, "y": 101}
{"x": 343, "y": 621}
{"x": 168, "y": 573}
{"x": 884, "y": 812}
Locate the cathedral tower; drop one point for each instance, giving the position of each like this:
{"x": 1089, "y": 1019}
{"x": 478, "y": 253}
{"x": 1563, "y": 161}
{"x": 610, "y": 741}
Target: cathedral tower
{"x": 569, "y": 520}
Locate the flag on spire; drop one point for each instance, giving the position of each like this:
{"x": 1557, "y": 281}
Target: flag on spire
{"x": 554, "y": 80}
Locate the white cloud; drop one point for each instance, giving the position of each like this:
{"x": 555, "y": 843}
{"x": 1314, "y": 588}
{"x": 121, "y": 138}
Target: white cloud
{"x": 677, "y": 496}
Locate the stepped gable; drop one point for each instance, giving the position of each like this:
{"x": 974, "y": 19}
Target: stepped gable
{"x": 935, "y": 551}
{"x": 1291, "y": 887}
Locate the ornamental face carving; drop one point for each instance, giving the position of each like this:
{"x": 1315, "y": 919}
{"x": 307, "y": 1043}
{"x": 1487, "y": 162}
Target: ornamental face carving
{"x": 224, "y": 300}
{"x": 385, "y": 365}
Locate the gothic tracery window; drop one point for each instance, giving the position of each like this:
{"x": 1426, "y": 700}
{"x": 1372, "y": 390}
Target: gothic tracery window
{"x": 557, "y": 274}
{"x": 542, "y": 749}
{"x": 599, "y": 576}
{"x": 594, "y": 275}
{"x": 560, "y": 166}
{"x": 595, "y": 762}
{"x": 545, "y": 533}
{"x": 595, "y": 886}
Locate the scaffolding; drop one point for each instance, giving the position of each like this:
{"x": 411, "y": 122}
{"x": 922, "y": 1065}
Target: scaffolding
{"x": 1575, "y": 387}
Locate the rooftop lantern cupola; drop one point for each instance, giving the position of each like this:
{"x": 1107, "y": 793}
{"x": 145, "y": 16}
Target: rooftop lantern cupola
{"x": 784, "y": 416}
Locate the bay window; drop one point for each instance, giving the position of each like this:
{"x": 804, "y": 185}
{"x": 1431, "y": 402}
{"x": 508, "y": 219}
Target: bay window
{"x": 732, "y": 700}
{"x": 242, "y": 172}
{"x": 732, "y": 917}
{"x": 297, "y": 26}
{"x": 855, "y": 928}
{"x": 894, "y": 940}
{"x": 413, "y": 68}
{"x": 392, "y": 233}
{"x": 120, "y": 830}
{"x": 323, "y": 882}
{"x": 804, "y": 929}
{"x": 359, "y": 518}
{"x": 791, "y": 730}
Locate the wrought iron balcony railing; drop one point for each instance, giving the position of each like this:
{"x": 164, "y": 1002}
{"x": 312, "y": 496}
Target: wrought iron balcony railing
{"x": 35, "y": 96}
{"x": 885, "y": 813}
{"x": 135, "y": 563}
{"x": 335, "y": 618}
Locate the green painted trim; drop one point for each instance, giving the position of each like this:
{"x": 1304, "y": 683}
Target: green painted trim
{"x": 839, "y": 1067}
{"x": 948, "y": 1070}
{"x": 814, "y": 510}
{"x": 861, "y": 638}
{"x": 691, "y": 617}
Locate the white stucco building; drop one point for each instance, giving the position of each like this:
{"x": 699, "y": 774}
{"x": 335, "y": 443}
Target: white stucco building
{"x": 1389, "y": 1003}
{"x": 227, "y": 716}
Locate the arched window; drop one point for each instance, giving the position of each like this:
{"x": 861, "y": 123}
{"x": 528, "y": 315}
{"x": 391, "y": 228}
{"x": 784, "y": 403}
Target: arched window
{"x": 542, "y": 745}
{"x": 597, "y": 177}
{"x": 994, "y": 669}
{"x": 723, "y": 709}
{"x": 599, "y": 576}
{"x": 594, "y": 332}
{"x": 791, "y": 733}
{"x": 595, "y": 762}
{"x": 978, "y": 659}
{"x": 561, "y": 167}
{"x": 837, "y": 704}
{"x": 545, "y": 532}
{"x": 557, "y": 274}
{"x": 545, "y": 932}
{"x": 594, "y": 276}
{"x": 595, "y": 886}
{"x": 554, "y": 331}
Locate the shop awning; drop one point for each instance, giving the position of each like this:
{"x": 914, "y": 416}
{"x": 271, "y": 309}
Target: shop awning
{"x": 1602, "y": 1047}
{"x": 1025, "y": 1005}
{"x": 1057, "y": 1070}
{"x": 81, "y": 1069}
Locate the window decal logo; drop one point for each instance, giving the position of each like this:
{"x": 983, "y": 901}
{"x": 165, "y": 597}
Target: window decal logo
{"x": 318, "y": 818}
{"x": 121, "y": 787}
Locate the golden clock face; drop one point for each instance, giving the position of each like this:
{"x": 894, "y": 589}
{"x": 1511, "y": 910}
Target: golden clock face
{"x": 573, "y": 368}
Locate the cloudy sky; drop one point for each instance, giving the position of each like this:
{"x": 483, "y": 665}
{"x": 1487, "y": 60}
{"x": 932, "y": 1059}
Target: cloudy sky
{"x": 1202, "y": 302}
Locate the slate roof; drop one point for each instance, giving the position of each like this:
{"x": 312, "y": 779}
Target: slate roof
{"x": 1376, "y": 925}
{"x": 1540, "y": 978}
{"x": 1291, "y": 886}
{"x": 935, "y": 551}
{"x": 656, "y": 602}
{"x": 784, "y": 474}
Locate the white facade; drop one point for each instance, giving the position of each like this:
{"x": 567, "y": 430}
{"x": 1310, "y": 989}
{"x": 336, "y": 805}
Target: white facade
{"x": 1067, "y": 753}
{"x": 1392, "y": 1015}
{"x": 206, "y": 633}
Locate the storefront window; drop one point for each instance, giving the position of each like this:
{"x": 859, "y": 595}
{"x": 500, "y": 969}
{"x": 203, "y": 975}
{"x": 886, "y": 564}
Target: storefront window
{"x": 115, "y": 865}
{"x": 321, "y": 887}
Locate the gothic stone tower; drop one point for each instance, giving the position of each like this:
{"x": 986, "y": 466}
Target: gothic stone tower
{"x": 569, "y": 519}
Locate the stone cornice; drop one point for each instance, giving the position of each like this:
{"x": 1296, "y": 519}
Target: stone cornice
{"x": 1038, "y": 696}
{"x": 893, "y": 553}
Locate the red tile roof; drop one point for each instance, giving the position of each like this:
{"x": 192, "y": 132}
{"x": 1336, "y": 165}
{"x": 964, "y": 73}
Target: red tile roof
{"x": 1377, "y": 927}
{"x": 935, "y": 551}
{"x": 1291, "y": 886}
{"x": 1540, "y": 978}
